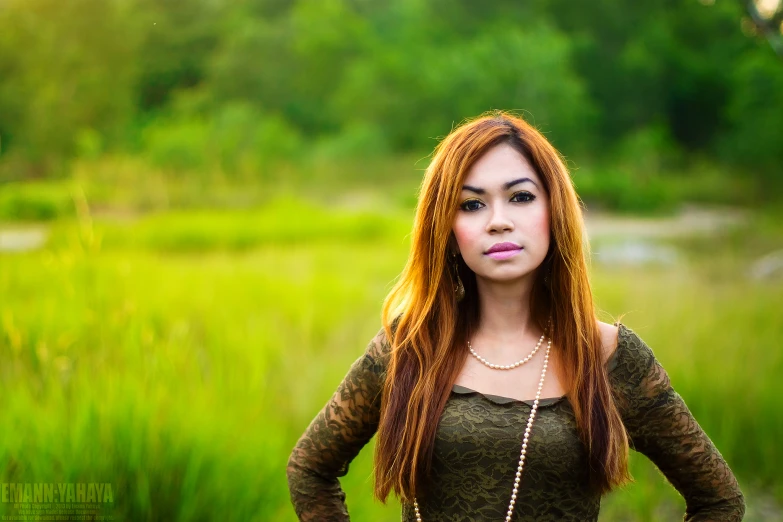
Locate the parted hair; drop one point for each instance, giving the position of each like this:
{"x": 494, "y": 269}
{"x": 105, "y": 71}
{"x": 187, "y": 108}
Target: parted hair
{"x": 428, "y": 328}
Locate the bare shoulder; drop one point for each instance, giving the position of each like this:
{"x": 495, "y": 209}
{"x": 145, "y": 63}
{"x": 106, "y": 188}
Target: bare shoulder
{"x": 609, "y": 333}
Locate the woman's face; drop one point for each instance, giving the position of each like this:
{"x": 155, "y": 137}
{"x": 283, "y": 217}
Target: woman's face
{"x": 502, "y": 223}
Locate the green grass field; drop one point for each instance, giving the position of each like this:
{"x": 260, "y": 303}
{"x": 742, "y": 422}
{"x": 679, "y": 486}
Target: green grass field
{"x": 179, "y": 355}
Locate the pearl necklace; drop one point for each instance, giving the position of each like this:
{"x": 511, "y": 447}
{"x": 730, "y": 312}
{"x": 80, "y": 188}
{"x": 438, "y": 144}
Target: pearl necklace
{"x": 525, "y": 439}
{"x": 506, "y": 366}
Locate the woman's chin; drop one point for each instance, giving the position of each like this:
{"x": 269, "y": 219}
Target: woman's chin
{"x": 506, "y": 276}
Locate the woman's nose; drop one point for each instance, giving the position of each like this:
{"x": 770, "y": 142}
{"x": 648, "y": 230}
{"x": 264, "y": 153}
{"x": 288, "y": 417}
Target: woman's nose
{"x": 499, "y": 220}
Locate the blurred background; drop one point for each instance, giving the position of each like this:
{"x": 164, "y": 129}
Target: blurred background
{"x": 204, "y": 203}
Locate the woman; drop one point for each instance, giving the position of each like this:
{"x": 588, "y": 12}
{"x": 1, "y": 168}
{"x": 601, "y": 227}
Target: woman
{"x": 495, "y": 392}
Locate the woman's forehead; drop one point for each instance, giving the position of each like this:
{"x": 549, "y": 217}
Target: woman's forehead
{"x": 500, "y": 166}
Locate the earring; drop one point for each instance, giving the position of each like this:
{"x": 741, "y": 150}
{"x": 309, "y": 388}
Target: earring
{"x": 459, "y": 289}
{"x": 546, "y": 276}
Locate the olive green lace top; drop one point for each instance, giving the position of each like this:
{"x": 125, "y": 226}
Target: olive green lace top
{"x": 478, "y": 441}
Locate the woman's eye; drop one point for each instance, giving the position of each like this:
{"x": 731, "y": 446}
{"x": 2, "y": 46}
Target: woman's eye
{"x": 471, "y": 204}
{"x": 523, "y": 197}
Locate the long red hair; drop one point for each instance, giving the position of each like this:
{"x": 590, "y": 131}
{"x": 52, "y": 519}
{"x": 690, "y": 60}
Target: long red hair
{"x": 428, "y": 329}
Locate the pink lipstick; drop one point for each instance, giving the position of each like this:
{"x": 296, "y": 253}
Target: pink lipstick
{"x": 502, "y": 251}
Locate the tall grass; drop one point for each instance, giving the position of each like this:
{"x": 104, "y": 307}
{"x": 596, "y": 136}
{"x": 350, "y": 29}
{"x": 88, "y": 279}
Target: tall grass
{"x": 179, "y": 356}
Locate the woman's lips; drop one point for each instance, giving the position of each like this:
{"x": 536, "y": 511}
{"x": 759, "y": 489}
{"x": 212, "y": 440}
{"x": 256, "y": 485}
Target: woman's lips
{"x": 504, "y": 254}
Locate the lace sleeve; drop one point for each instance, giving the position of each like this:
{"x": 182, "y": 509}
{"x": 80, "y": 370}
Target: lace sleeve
{"x": 335, "y": 436}
{"x": 661, "y": 427}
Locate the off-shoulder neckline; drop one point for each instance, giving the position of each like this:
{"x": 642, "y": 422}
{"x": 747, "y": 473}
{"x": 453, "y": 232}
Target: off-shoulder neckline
{"x": 611, "y": 364}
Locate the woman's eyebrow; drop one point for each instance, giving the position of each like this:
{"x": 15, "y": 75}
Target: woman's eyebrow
{"x": 506, "y": 186}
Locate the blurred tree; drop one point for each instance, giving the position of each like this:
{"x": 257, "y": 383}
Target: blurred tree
{"x": 289, "y": 63}
{"x": 706, "y": 46}
{"x": 754, "y": 141}
{"x": 176, "y": 40}
{"x": 656, "y": 63}
{"x": 254, "y": 62}
{"x": 418, "y": 81}
{"x": 71, "y": 68}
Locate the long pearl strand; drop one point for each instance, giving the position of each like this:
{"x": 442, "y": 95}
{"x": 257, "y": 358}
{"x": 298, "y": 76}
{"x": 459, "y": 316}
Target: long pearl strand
{"x": 506, "y": 366}
{"x": 525, "y": 439}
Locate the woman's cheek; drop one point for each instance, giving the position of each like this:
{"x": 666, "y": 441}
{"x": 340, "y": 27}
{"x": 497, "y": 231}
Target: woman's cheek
{"x": 542, "y": 224}
{"x": 538, "y": 233}
{"x": 464, "y": 236}
{"x": 541, "y": 219}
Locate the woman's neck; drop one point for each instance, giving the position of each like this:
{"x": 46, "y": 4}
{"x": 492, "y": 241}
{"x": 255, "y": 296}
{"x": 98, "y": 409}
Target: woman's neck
{"x": 504, "y": 308}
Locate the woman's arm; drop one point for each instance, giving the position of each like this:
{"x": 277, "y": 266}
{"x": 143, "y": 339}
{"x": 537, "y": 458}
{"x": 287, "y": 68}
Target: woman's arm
{"x": 335, "y": 436}
{"x": 661, "y": 427}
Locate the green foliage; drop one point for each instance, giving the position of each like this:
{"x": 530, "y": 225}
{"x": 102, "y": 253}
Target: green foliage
{"x": 38, "y": 201}
{"x": 756, "y": 113}
{"x": 625, "y": 191}
{"x": 420, "y": 100}
{"x": 176, "y": 38}
{"x": 639, "y": 177}
{"x": 237, "y": 139}
{"x": 243, "y": 134}
{"x": 356, "y": 141}
{"x": 178, "y": 144}
{"x": 71, "y": 70}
